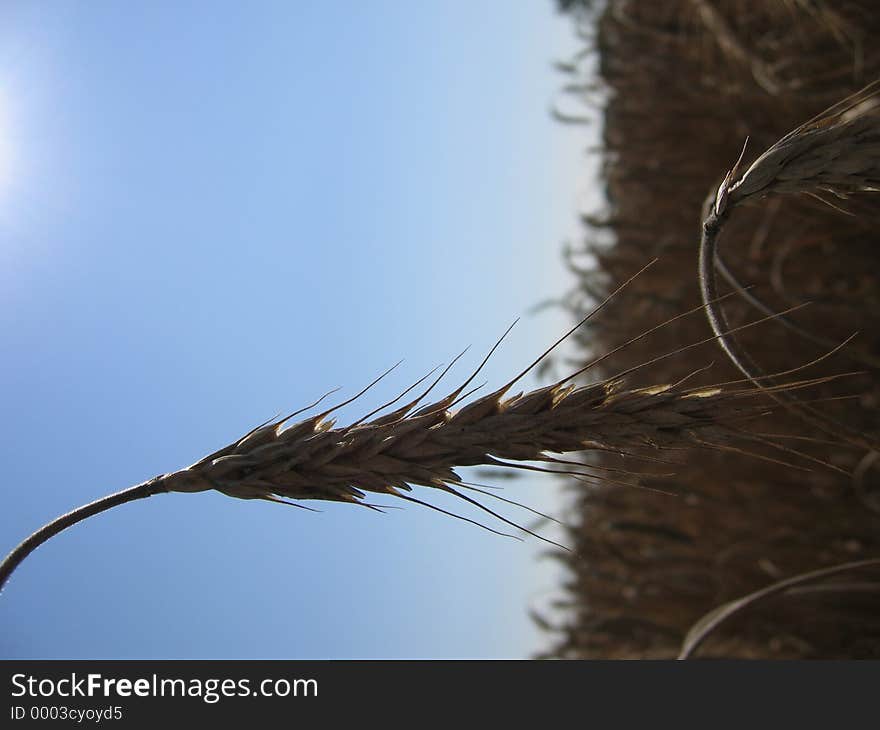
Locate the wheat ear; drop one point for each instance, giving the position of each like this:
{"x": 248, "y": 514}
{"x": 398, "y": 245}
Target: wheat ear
{"x": 422, "y": 445}
{"x": 836, "y": 152}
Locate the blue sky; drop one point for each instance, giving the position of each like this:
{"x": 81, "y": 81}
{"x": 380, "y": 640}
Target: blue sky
{"x": 212, "y": 212}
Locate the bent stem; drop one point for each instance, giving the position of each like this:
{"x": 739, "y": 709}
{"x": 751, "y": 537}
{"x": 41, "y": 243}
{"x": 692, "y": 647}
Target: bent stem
{"x": 712, "y": 620}
{"x": 15, "y": 558}
{"x": 713, "y": 223}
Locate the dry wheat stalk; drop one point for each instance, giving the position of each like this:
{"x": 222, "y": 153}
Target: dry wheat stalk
{"x": 417, "y": 445}
{"x": 710, "y": 622}
{"x": 836, "y": 152}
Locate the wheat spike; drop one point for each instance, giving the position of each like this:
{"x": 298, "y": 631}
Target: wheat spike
{"x": 422, "y": 445}
{"x": 837, "y": 151}
{"x": 417, "y": 445}
{"x": 314, "y": 460}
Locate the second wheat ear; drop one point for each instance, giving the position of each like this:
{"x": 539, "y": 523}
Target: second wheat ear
{"x": 836, "y": 152}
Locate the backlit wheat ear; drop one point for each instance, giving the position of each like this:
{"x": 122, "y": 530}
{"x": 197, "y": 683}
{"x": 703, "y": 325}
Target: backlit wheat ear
{"x": 836, "y": 152}
{"x": 422, "y": 446}
{"x": 416, "y": 445}
{"x": 312, "y": 460}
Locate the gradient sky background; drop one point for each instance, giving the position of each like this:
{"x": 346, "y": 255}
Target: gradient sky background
{"x": 213, "y": 212}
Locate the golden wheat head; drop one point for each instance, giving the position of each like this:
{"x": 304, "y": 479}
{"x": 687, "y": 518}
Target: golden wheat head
{"x": 423, "y": 445}
{"x": 313, "y": 459}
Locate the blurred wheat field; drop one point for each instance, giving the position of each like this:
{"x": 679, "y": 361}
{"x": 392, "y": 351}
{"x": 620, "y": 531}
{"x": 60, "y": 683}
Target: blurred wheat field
{"x": 682, "y": 84}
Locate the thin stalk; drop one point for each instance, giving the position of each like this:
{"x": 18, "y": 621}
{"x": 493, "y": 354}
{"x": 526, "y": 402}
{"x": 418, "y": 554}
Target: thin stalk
{"x": 139, "y": 491}
{"x": 712, "y": 620}
{"x": 713, "y": 223}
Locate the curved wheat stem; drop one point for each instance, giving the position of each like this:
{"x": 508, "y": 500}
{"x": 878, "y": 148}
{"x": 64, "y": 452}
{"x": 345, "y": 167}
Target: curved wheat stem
{"x": 25, "y": 548}
{"x": 709, "y": 623}
{"x": 836, "y": 152}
